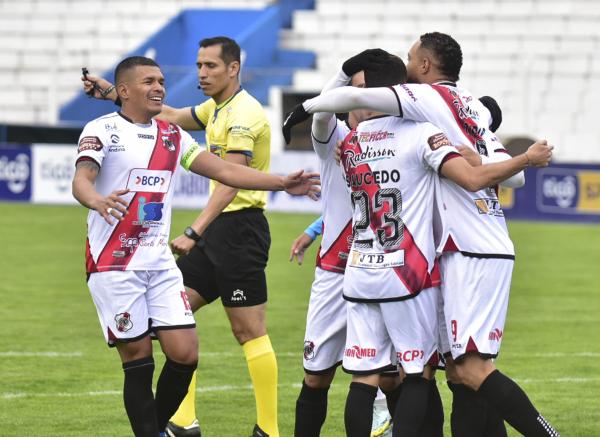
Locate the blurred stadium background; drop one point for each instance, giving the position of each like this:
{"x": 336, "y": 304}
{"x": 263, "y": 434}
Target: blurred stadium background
{"x": 538, "y": 58}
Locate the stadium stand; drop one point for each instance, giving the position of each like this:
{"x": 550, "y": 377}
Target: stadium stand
{"x": 536, "y": 57}
{"x": 43, "y": 42}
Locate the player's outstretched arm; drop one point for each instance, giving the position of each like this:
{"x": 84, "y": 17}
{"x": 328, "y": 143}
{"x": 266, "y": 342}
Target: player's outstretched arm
{"x": 104, "y": 90}
{"x": 476, "y": 178}
{"x": 85, "y": 193}
{"x": 298, "y": 183}
{"x": 343, "y": 99}
{"x": 221, "y": 196}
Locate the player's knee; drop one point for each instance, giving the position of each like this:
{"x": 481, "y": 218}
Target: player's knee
{"x": 243, "y": 333}
{"x": 472, "y": 370}
{"x": 322, "y": 380}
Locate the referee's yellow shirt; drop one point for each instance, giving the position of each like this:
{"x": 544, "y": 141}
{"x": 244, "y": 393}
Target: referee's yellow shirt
{"x": 238, "y": 125}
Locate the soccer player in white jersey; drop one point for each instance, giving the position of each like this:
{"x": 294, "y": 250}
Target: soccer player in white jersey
{"x": 477, "y": 253}
{"x": 124, "y": 174}
{"x": 326, "y": 319}
{"x": 390, "y": 164}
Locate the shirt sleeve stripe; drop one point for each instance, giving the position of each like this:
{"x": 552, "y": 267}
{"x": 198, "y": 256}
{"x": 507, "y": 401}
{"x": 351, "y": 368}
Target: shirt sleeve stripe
{"x": 448, "y": 157}
{"x": 400, "y": 113}
{"x": 86, "y": 158}
{"x": 248, "y": 153}
{"x": 328, "y": 139}
{"x": 195, "y": 117}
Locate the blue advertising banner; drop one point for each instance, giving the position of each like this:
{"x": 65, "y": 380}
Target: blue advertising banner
{"x": 15, "y": 173}
{"x": 566, "y": 192}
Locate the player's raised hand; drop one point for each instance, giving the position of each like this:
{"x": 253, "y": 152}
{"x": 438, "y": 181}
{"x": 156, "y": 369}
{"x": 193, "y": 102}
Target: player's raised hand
{"x": 370, "y": 59}
{"x": 299, "y": 183}
{"x": 539, "y": 154}
{"x": 182, "y": 245}
{"x": 298, "y": 115}
{"x": 496, "y": 112}
{"x": 299, "y": 246}
{"x": 113, "y": 206}
{"x": 470, "y": 155}
{"x": 95, "y": 86}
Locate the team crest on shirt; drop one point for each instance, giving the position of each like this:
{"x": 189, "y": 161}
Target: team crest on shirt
{"x": 168, "y": 143}
{"x": 123, "y": 322}
{"x": 309, "y": 350}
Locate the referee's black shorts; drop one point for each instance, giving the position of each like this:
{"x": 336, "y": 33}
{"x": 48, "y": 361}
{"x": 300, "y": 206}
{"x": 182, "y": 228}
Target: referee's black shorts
{"x": 230, "y": 260}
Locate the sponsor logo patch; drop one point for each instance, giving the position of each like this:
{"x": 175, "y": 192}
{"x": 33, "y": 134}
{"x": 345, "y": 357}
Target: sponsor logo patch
{"x": 438, "y": 140}
{"x": 360, "y": 352}
{"x": 376, "y": 260}
{"x": 238, "y": 296}
{"x": 489, "y": 206}
{"x": 89, "y": 143}
{"x": 411, "y": 355}
{"x": 149, "y": 181}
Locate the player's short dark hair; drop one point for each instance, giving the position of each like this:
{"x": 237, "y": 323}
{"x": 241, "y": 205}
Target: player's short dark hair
{"x": 131, "y": 62}
{"x": 230, "y": 50}
{"x": 391, "y": 73}
{"x": 447, "y": 52}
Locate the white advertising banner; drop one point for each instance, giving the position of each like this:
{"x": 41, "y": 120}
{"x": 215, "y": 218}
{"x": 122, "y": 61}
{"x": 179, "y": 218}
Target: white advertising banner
{"x": 53, "y": 167}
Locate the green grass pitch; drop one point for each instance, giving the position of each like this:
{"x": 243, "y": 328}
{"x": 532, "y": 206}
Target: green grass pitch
{"x": 58, "y": 378}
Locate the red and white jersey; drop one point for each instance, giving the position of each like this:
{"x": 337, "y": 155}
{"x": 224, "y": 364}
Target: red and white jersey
{"x": 142, "y": 159}
{"x": 337, "y": 211}
{"x": 472, "y": 223}
{"x": 391, "y": 166}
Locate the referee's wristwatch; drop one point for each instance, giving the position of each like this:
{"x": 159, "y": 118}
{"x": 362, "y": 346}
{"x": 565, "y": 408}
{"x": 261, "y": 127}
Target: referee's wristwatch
{"x": 190, "y": 233}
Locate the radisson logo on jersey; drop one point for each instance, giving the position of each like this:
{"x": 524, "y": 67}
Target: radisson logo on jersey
{"x": 149, "y": 181}
{"x": 354, "y": 159}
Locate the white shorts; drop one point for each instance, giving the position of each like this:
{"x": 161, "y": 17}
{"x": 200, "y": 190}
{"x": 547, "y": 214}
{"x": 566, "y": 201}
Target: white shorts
{"x": 131, "y": 304}
{"x": 325, "y": 335}
{"x": 380, "y": 334}
{"x": 475, "y": 294}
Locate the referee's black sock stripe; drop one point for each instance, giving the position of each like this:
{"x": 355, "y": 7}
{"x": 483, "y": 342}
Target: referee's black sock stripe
{"x": 514, "y": 406}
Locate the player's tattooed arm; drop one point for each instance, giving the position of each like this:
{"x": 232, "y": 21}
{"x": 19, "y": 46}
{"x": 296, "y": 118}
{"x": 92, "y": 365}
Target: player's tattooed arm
{"x": 84, "y": 191}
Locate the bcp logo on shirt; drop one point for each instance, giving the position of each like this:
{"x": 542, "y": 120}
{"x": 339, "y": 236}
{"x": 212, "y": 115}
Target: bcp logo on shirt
{"x": 149, "y": 181}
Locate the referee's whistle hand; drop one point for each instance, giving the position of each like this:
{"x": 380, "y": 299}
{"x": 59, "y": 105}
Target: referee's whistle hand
{"x": 182, "y": 245}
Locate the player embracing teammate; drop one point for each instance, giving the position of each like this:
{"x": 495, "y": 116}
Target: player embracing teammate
{"x": 391, "y": 263}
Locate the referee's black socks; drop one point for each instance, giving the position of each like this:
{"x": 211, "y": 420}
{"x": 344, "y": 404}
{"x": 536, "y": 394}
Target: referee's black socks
{"x": 514, "y": 406}
{"x": 171, "y": 388}
{"x": 358, "y": 416}
{"x": 311, "y": 410}
{"x": 138, "y": 396}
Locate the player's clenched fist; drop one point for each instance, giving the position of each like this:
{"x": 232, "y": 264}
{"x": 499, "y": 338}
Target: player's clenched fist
{"x": 539, "y": 154}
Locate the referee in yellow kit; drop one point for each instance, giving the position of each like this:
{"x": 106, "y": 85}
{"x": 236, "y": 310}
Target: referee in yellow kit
{"x": 224, "y": 251}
